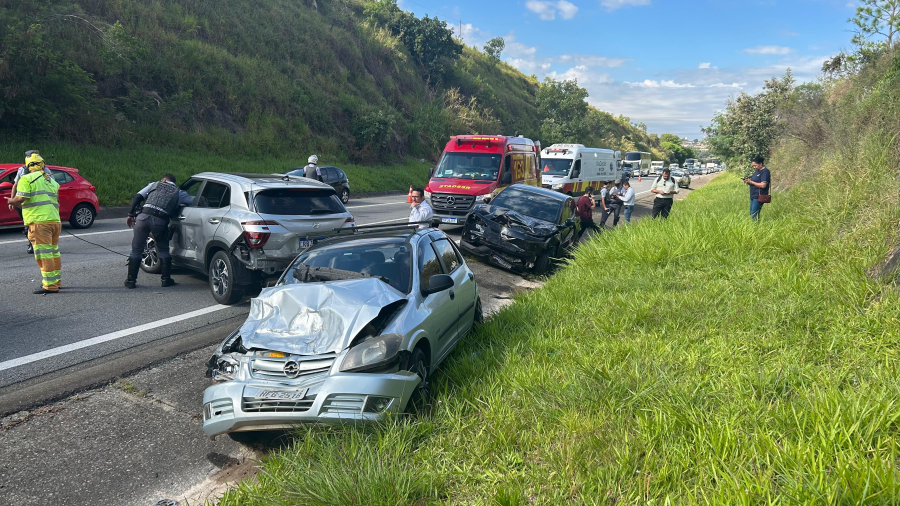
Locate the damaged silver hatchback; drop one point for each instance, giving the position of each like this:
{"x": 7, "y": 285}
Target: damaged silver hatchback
{"x": 352, "y": 331}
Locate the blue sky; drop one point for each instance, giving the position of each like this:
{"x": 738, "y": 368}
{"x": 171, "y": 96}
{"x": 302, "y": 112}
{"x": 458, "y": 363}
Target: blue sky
{"x": 670, "y": 64}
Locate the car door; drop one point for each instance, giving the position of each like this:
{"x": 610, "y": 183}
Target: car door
{"x": 439, "y": 308}
{"x": 183, "y": 245}
{"x": 206, "y": 216}
{"x": 463, "y": 286}
{"x": 329, "y": 176}
{"x": 7, "y": 217}
{"x": 67, "y": 191}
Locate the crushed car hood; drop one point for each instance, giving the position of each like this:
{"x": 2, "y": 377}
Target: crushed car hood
{"x": 314, "y": 318}
{"x": 515, "y": 222}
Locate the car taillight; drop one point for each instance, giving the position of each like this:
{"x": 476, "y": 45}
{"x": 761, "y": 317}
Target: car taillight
{"x": 257, "y": 239}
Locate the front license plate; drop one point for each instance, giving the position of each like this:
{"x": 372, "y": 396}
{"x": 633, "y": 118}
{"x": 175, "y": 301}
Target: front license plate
{"x": 449, "y": 220}
{"x": 287, "y": 395}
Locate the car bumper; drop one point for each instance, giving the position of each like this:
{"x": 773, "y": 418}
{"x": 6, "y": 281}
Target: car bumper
{"x": 507, "y": 260}
{"x": 341, "y": 397}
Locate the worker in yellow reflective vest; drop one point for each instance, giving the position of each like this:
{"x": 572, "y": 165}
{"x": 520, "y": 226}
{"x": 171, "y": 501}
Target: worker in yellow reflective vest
{"x": 37, "y": 194}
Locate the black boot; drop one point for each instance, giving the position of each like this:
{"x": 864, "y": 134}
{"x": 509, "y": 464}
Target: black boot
{"x": 133, "y": 265}
{"x": 166, "y": 279}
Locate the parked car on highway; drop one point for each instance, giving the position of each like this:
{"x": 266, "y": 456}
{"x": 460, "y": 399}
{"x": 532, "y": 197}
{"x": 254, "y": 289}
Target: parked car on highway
{"x": 352, "y": 331}
{"x": 331, "y": 176}
{"x": 682, "y": 178}
{"x": 78, "y": 203}
{"x": 673, "y": 166}
{"x": 522, "y": 228}
{"x": 243, "y": 228}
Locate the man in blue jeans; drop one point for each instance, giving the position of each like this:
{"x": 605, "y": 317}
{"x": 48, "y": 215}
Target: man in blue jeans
{"x": 759, "y": 183}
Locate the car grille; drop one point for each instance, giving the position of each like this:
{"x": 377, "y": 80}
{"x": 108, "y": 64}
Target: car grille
{"x": 343, "y": 403}
{"x": 452, "y": 202}
{"x": 254, "y": 405}
{"x": 262, "y": 367}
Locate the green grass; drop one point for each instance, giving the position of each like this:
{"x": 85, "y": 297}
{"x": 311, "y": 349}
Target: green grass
{"x": 734, "y": 363}
{"x": 118, "y": 173}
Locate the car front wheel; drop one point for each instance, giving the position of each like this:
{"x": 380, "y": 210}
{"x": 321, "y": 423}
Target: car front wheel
{"x": 221, "y": 279}
{"x": 82, "y": 216}
{"x": 421, "y": 398}
{"x": 543, "y": 263}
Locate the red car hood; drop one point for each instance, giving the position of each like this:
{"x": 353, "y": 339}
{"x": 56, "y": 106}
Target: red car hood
{"x": 460, "y": 186}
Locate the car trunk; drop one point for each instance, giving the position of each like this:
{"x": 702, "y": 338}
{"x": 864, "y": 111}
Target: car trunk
{"x": 303, "y": 215}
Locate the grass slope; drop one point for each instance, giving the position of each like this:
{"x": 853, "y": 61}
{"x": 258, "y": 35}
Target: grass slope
{"x": 734, "y": 363}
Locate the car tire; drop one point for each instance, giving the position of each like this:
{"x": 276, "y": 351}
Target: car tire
{"x": 420, "y": 402}
{"x": 150, "y": 262}
{"x": 222, "y": 280}
{"x": 542, "y": 265}
{"x": 82, "y": 216}
{"x": 345, "y": 195}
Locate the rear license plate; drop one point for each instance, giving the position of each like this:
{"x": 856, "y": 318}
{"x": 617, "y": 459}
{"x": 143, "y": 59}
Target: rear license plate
{"x": 288, "y": 395}
{"x": 502, "y": 262}
{"x": 305, "y": 243}
{"x": 449, "y": 220}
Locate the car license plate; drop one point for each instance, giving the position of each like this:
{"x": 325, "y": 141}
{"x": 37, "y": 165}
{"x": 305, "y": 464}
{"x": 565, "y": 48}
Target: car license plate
{"x": 449, "y": 220}
{"x": 287, "y": 395}
{"x": 305, "y": 243}
{"x": 502, "y": 262}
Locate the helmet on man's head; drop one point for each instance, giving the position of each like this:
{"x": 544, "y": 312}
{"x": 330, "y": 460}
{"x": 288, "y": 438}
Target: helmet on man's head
{"x": 34, "y": 162}
{"x": 313, "y": 159}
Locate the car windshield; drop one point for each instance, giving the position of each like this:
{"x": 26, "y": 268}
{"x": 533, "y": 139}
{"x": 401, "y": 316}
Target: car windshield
{"x": 298, "y": 202}
{"x": 385, "y": 260}
{"x": 478, "y": 166}
{"x": 633, "y": 156}
{"x": 533, "y": 204}
{"x": 556, "y": 166}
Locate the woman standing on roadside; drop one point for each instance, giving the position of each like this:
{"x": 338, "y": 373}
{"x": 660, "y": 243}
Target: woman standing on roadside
{"x": 759, "y": 184}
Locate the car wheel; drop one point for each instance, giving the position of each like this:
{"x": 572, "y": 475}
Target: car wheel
{"x": 421, "y": 398}
{"x": 82, "y": 216}
{"x": 345, "y": 195}
{"x": 543, "y": 263}
{"x": 221, "y": 279}
{"x": 150, "y": 258}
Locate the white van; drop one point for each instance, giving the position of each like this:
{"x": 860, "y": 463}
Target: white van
{"x": 570, "y": 168}
{"x": 657, "y": 167}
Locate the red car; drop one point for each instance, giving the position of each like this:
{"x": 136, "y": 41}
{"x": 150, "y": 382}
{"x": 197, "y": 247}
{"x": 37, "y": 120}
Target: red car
{"x": 77, "y": 200}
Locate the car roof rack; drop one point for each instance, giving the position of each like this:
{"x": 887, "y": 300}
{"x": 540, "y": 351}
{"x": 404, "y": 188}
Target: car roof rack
{"x": 413, "y": 225}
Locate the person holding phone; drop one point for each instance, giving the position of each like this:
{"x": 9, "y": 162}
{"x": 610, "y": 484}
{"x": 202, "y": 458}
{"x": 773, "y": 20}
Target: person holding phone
{"x": 759, "y": 184}
{"x": 665, "y": 187}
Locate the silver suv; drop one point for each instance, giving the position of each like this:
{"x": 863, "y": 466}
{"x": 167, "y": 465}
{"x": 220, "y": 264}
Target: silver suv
{"x": 243, "y": 228}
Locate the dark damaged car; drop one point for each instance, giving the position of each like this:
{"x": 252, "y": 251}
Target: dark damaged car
{"x": 522, "y": 228}
{"x": 352, "y": 331}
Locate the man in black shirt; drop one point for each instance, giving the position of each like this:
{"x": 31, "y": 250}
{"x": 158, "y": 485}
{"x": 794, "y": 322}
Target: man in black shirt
{"x": 759, "y": 184}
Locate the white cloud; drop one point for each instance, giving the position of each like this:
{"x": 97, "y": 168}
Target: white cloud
{"x": 593, "y": 60}
{"x": 615, "y": 4}
{"x": 548, "y": 10}
{"x": 769, "y": 50}
{"x": 649, "y": 83}
{"x": 704, "y": 65}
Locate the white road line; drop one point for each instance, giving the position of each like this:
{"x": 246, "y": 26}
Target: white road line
{"x": 64, "y": 235}
{"x": 52, "y": 352}
{"x": 376, "y": 205}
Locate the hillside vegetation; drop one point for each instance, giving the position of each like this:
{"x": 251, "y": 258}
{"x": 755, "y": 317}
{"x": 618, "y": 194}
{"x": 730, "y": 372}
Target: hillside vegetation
{"x": 354, "y": 81}
{"x": 734, "y": 363}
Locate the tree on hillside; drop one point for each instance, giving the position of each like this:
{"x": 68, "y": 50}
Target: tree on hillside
{"x": 674, "y": 139}
{"x": 562, "y": 109}
{"x": 876, "y": 17}
{"x": 495, "y": 47}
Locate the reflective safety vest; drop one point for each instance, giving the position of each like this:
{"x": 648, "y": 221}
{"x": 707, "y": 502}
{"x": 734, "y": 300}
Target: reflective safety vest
{"x": 42, "y": 204}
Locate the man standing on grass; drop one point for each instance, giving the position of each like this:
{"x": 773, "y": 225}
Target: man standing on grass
{"x": 584, "y": 209}
{"x": 37, "y": 194}
{"x": 759, "y": 184}
{"x": 419, "y": 209}
{"x": 665, "y": 189}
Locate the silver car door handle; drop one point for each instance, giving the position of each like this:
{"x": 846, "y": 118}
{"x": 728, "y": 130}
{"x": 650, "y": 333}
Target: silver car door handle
{"x": 471, "y": 276}
{"x": 452, "y": 295}
{"x": 214, "y": 221}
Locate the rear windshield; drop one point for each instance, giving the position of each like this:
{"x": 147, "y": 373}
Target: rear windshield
{"x": 530, "y": 204}
{"x": 478, "y": 166}
{"x": 294, "y": 202}
{"x": 389, "y": 261}
{"x": 556, "y": 166}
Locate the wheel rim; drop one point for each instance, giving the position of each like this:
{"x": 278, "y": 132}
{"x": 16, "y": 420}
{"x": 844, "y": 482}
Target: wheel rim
{"x": 84, "y": 216}
{"x": 345, "y": 196}
{"x": 150, "y": 257}
{"x": 219, "y": 277}
{"x": 422, "y": 388}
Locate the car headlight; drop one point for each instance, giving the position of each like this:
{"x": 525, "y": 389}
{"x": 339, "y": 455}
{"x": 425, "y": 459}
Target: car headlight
{"x": 374, "y": 352}
{"x": 479, "y": 198}
{"x": 226, "y": 368}
{"x": 557, "y": 186}
{"x": 427, "y": 194}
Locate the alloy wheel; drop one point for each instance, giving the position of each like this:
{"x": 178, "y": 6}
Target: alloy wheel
{"x": 150, "y": 257}
{"x": 84, "y": 216}
{"x": 219, "y": 275}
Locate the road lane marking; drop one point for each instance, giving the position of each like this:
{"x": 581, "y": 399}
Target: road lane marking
{"x": 52, "y": 352}
{"x": 63, "y": 236}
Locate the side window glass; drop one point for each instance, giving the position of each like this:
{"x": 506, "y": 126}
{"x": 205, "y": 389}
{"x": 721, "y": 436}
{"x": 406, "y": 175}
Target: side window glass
{"x": 567, "y": 210}
{"x": 428, "y": 264}
{"x": 576, "y": 169}
{"x": 330, "y": 175}
{"x": 192, "y": 187}
{"x": 61, "y": 176}
{"x": 448, "y": 255}
{"x": 215, "y": 195}
{"x": 9, "y": 177}
{"x": 341, "y": 175}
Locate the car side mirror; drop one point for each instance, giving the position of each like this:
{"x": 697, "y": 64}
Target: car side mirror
{"x": 506, "y": 178}
{"x": 6, "y": 185}
{"x": 570, "y": 222}
{"x": 437, "y": 283}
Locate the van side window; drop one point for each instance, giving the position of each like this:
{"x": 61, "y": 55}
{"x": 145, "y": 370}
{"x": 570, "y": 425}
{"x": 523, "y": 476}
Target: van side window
{"x": 576, "y": 169}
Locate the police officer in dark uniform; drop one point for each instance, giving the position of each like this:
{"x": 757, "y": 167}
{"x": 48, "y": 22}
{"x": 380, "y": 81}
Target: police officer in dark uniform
{"x": 161, "y": 201}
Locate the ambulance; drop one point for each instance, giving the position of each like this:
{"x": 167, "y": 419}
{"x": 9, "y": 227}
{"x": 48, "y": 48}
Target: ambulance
{"x": 474, "y": 167}
{"x": 570, "y": 168}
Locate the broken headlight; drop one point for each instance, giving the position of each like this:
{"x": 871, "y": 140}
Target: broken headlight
{"x": 226, "y": 368}
{"x": 372, "y": 353}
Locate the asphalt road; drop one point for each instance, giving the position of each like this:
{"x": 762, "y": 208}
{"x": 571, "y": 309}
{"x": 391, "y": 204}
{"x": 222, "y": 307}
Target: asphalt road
{"x": 94, "y": 316}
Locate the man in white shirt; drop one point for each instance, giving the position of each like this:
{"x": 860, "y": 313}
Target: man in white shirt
{"x": 627, "y": 200}
{"x": 665, "y": 187}
{"x": 419, "y": 209}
